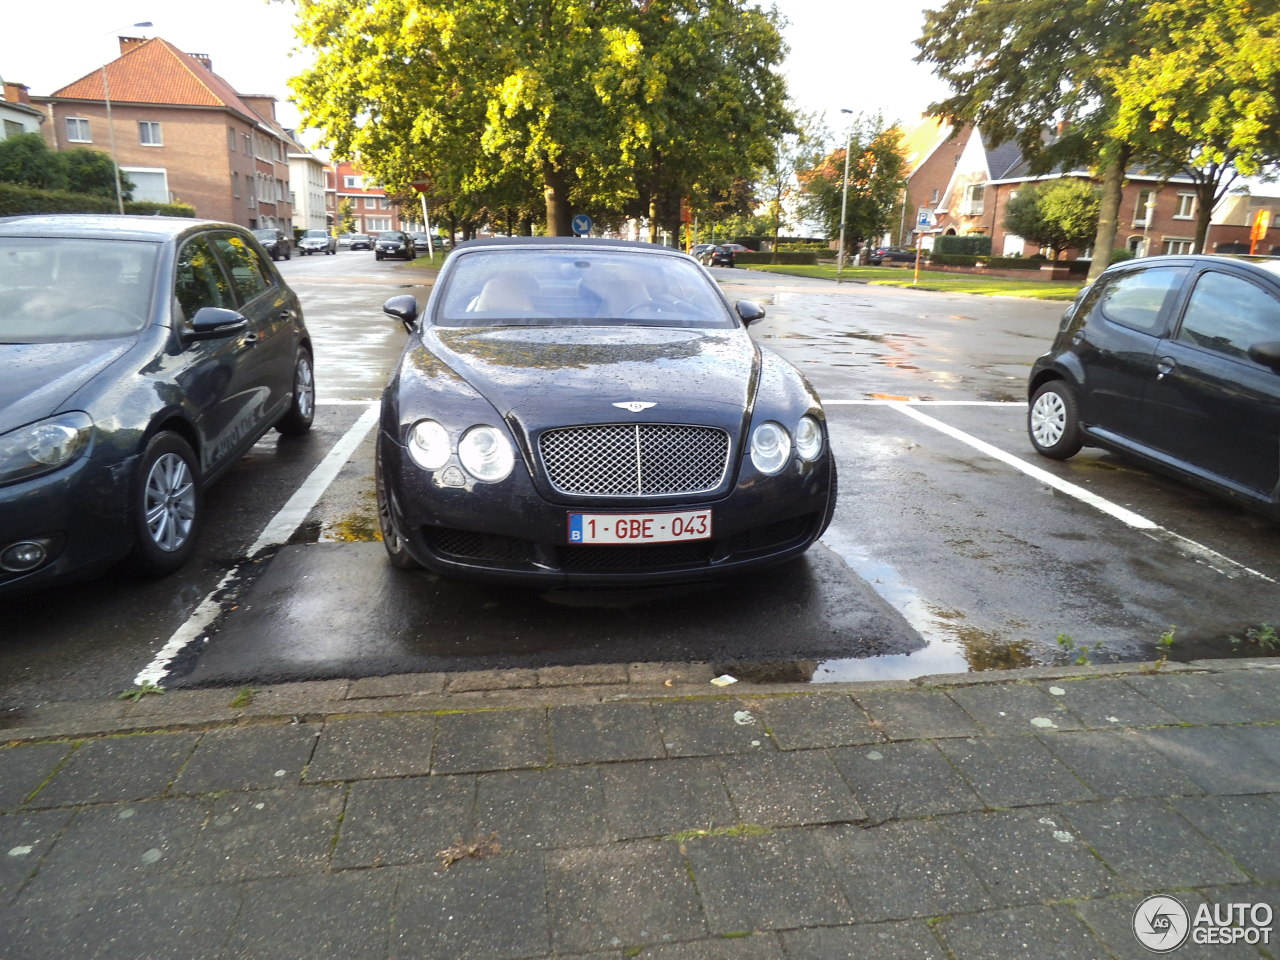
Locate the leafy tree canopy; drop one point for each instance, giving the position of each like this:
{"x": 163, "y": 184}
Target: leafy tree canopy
{"x": 1057, "y": 214}
{"x": 877, "y": 176}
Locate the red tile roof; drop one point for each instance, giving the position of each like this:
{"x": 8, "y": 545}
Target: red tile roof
{"x": 155, "y": 71}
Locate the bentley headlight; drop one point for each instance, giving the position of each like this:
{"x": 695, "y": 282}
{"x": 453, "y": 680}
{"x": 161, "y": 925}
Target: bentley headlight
{"x": 486, "y": 453}
{"x": 770, "y": 447}
{"x": 808, "y": 438}
{"x": 44, "y": 446}
{"x": 429, "y": 444}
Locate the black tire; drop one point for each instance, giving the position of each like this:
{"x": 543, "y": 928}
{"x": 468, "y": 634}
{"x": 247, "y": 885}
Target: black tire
{"x": 302, "y": 409}
{"x": 377, "y": 256}
{"x": 167, "y": 503}
{"x": 1053, "y": 421}
{"x": 397, "y": 550}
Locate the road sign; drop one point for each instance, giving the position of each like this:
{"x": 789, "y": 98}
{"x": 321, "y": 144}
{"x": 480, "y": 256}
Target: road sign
{"x": 581, "y": 225}
{"x": 923, "y": 219}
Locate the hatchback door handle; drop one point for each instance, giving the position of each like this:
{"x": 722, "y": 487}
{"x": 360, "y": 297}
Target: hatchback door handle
{"x": 1164, "y": 366}
{"x": 249, "y": 339}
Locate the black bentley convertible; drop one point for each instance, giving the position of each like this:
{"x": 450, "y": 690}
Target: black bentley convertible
{"x": 587, "y": 411}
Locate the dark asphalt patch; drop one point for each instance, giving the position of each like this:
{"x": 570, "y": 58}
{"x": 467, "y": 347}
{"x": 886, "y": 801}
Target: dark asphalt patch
{"x": 340, "y": 610}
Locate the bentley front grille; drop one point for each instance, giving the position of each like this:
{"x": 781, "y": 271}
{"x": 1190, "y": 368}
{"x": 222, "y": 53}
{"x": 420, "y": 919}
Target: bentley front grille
{"x": 635, "y": 460}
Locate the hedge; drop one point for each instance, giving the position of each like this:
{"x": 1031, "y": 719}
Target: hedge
{"x": 16, "y": 200}
{"x": 952, "y": 259}
{"x": 790, "y": 258}
{"x": 973, "y": 245}
{"x": 1012, "y": 263}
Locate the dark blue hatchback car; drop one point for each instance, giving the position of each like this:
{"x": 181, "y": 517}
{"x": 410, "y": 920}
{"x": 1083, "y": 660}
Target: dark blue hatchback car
{"x": 142, "y": 357}
{"x": 1174, "y": 361}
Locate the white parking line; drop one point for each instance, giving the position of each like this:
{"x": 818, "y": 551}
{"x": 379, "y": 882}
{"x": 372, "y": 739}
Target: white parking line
{"x": 277, "y": 531}
{"x": 1190, "y": 548}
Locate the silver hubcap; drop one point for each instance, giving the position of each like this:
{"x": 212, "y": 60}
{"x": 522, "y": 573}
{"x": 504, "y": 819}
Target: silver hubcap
{"x": 1048, "y": 419}
{"x": 304, "y": 388}
{"x": 170, "y": 504}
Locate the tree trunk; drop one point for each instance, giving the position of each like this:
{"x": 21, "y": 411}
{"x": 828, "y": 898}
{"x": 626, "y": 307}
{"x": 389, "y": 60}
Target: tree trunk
{"x": 1104, "y": 240}
{"x": 555, "y": 190}
{"x": 654, "y": 209}
{"x": 1206, "y": 198}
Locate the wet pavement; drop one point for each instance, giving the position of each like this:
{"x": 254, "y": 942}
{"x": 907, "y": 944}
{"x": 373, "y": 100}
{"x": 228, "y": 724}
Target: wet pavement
{"x": 641, "y": 811}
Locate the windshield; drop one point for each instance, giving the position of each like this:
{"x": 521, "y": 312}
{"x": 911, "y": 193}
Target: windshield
{"x": 318, "y": 234}
{"x": 391, "y": 235}
{"x": 604, "y": 287}
{"x": 265, "y": 234}
{"x": 55, "y": 289}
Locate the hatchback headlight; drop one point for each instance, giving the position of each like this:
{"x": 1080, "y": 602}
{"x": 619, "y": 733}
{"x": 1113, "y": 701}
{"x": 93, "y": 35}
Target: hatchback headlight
{"x": 486, "y": 453}
{"x": 770, "y": 447}
{"x": 44, "y": 446}
{"x": 429, "y": 444}
{"x": 808, "y": 438}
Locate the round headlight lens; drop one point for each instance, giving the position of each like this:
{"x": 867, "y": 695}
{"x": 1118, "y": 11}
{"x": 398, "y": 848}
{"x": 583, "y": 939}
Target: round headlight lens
{"x": 808, "y": 438}
{"x": 486, "y": 453}
{"x": 770, "y": 447}
{"x": 429, "y": 444}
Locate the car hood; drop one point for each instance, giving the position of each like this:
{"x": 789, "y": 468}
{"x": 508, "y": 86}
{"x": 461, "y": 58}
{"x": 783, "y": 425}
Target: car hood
{"x": 40, "y": 377}
{"x": 539, "y": 377}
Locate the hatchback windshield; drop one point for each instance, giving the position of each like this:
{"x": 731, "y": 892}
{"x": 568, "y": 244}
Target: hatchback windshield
{"x": 494, "y": 287}
{"x": 318, "y": 234}
{"x": 71, "y": 289}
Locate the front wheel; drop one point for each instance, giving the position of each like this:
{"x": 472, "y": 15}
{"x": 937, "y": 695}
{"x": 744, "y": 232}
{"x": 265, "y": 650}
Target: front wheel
{"x": 302, "y": 409}
{"x": 167, "y": 506}
{"x": 397, "y": 550}
{"x": 1053, "y": 421}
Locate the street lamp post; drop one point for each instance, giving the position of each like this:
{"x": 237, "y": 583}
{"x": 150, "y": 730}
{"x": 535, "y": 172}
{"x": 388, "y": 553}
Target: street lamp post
{"x": 111, "y": 130}
{"x": 844, "y": 201}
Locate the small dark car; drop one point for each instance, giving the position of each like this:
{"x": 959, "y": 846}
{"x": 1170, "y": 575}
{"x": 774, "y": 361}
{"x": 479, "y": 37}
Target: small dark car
{"x": 395, "y": 243}
{"x": 275, "y": 242}
{"x": 361, "y": 241}
{"x": 892, "y": 255}
{"x": 719, "y": 255}
{"x": 318, "y": 241}
{"x": 143, "y": 356}
{"x": 1174, "y": 361}
{"x": 590, "y": 411}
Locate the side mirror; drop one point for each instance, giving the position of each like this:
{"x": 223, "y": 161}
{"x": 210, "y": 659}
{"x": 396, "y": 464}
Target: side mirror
{"x": 210, "y": 323}
{"x": 1267, "y": 354}
{"x": 749, "y": 311}
{"x": 404, "y": 308}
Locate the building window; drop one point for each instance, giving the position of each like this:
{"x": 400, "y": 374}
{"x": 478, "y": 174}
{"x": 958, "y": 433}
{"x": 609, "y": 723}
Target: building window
{"x": 231, "y": 139}
{"x": 933, "y": 197}
{"x": 973, "y": 199}
{"x": 1143, "y": 208}
{"x": 1186, "y": 207}
{"x": 235, "y": 185}
{"x": 1176, "y": 245}
{"x": 149, "y": 133}
{"x": 78, "y": 130}
{"x": 149, "y": 184}
{"x": 377, "y": 224}
{"x": 248, "y": 145}
{"x": 351, "y": 183}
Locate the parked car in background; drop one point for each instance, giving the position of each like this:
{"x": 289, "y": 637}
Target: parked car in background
{"x": 737, "y": 248}
{"x": 144, "y": 356}
{"x": 718, "y": 255}
{"x": 1175, "y": 362}
{"x": 422, "y": 241}
{"x": 361, "y": 241}
{"x": 588, "y": 411}
{"x": 881, "y": 255}
{"x": 394, "y": 243}
{"x": 698, "y": 249}
{"x": 277, "y": 245}
{"x": 318, "y": 241}
{"x": 344, "y": 240}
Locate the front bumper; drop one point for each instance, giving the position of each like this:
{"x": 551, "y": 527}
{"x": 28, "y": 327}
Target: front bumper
{"x": 508, "y": 532}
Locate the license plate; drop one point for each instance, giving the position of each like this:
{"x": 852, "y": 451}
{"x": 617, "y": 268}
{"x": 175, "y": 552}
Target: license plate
{"x": 639, "y": 527}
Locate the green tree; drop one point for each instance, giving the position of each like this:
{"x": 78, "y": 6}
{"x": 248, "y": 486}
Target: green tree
{"x": 1205, "y": 94}
{"x": 346, "y": 216}
{"x": 26, "y": 159}
{"x": 780, "y": 180}
{"x": 94, "y": 173}
{"x": 1058, "y": 214}
{"x": 583, "y": 103}
{"x": 876, "y": 180}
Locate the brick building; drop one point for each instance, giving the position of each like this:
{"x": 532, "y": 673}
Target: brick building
{"x": 180, "y": 132}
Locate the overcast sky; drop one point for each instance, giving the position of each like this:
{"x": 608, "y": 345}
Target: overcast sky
{"x": 855, "y": 54}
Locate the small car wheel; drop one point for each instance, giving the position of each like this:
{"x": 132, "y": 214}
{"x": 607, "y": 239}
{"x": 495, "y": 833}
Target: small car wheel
{"x": 1053, "y": 421}
{"x": 377, "y": 256}
{"x": 397, "y": 551}
{"x": 302, "y": 409}
{"x": 167, "y": 506}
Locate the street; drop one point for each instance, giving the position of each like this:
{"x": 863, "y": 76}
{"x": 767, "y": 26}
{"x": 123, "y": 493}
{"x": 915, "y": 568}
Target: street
{"x": 954, "y": 546}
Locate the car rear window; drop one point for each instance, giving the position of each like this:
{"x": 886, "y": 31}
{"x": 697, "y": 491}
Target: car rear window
{"x": 495, "y": 287}
{"x": 68, "y": 289}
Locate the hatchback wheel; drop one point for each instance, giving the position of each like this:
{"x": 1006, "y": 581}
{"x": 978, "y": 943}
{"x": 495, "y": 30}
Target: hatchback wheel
{"x": 302, "y": 410}
{"x": 168, "y": 506}
{"x": 1053, "y": 421}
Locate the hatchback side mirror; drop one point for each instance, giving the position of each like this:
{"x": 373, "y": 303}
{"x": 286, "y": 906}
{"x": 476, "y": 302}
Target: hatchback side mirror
{"x": 749, "y": 311}
{"x": 211, "y": 323}
{"x": 404, "y": 308}
{"x": 1267, "y": 354}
